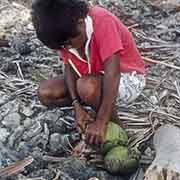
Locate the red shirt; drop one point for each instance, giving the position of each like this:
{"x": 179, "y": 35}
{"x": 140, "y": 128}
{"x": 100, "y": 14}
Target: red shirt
{"x": 109, "y": 36}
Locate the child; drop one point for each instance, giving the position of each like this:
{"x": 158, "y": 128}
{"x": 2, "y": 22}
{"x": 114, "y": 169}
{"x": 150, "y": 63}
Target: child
{"x": 103, "y": 67}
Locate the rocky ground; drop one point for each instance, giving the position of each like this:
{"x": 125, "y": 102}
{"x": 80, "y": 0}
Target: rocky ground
{"x": 28, "y": 129}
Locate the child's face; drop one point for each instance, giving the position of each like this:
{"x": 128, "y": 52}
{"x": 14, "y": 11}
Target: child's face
{"x": 78, "y": 41}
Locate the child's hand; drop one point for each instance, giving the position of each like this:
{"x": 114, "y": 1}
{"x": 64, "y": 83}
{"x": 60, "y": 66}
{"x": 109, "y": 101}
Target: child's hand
{"x": 95, "y": 132}
{"x": 82, "y": 118}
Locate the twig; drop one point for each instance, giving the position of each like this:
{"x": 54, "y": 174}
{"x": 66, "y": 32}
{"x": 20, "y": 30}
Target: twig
{"x": 60, "y": 173}
{"x": 141, "y": 138}
{"x": 177, "y": 87}
{"x": 133, "y": 26}
{"x": 162, "y": 63}
{"x": 15, "y": 168}
{"x": 147, "y": 37}
{"x": 53, "y": 158}
{"x": 57, "y": 175}
{"x": 140, "y": 120}
{"x": 161, "y": 46}
{"x": 19, "y": 70}
{"x": 66, "y": 122}
{"x": 150, "y": 118}
{"x": 37, "y": 178}
{"x": 3, "y": 74}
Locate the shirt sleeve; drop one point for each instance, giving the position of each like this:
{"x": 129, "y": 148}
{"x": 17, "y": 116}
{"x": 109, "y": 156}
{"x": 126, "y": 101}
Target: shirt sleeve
{"x": 108, "y": 38}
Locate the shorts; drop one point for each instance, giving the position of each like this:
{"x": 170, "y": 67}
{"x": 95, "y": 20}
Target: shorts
{"x": 130, "y": 87}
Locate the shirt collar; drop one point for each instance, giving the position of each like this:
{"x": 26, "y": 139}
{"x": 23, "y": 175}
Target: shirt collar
{"x": 89, "y": 32}
{"x": 89, "y": 27}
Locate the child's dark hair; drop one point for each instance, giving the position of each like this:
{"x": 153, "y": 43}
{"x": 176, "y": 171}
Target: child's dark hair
{"x": 55, "y": 21}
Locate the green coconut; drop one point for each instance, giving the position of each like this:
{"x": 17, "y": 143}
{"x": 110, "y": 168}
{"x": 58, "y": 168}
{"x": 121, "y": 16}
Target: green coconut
{"x": 115, "y": 135}
{"x": 121, "y": 160}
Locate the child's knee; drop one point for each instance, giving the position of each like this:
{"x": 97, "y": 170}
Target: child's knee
{"x": 88, "y": 88}
{"x": 50, "y": 91}
{"x": 43, "y": 95}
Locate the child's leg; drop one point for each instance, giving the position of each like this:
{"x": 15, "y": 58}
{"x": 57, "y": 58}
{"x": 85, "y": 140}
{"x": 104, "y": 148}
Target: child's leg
{"x": 131, "y": 85}
{"x": 53, "y": 92}
{"x": 89, "y": 89}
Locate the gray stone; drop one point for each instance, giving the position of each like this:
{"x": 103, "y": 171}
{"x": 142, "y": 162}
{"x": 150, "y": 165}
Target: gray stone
{"x": 51, "y": 115}
{"x": 16, "y": 136}
{"x": 12, "y": 120}
{"x": 3, "y": 134}
{"x": 28, "y": 122}
{"x": 3, "y": 98}
{"x": 27, "y": 111}
{"x": 59, "y": 143}
{"x": 154, "y": 100}
{"x": 55, "y": 142}
{"x": 23, "y": 148}
{"x": 40, "y": 140}
{"x": 79, "y": 169}
{"x": 21, "y": 46}
{"x": 33, "y": 131}
{"x": 43, "y": 173}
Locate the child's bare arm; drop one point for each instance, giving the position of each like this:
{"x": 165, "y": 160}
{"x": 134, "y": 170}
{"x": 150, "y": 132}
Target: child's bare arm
{"x": 96, "y": 131}
{"x": 82, "y": 117}
{"x": 70, "y": 81}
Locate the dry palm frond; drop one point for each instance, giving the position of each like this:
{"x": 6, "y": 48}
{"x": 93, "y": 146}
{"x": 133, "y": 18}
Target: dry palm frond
{"x": 15, "y": 168}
